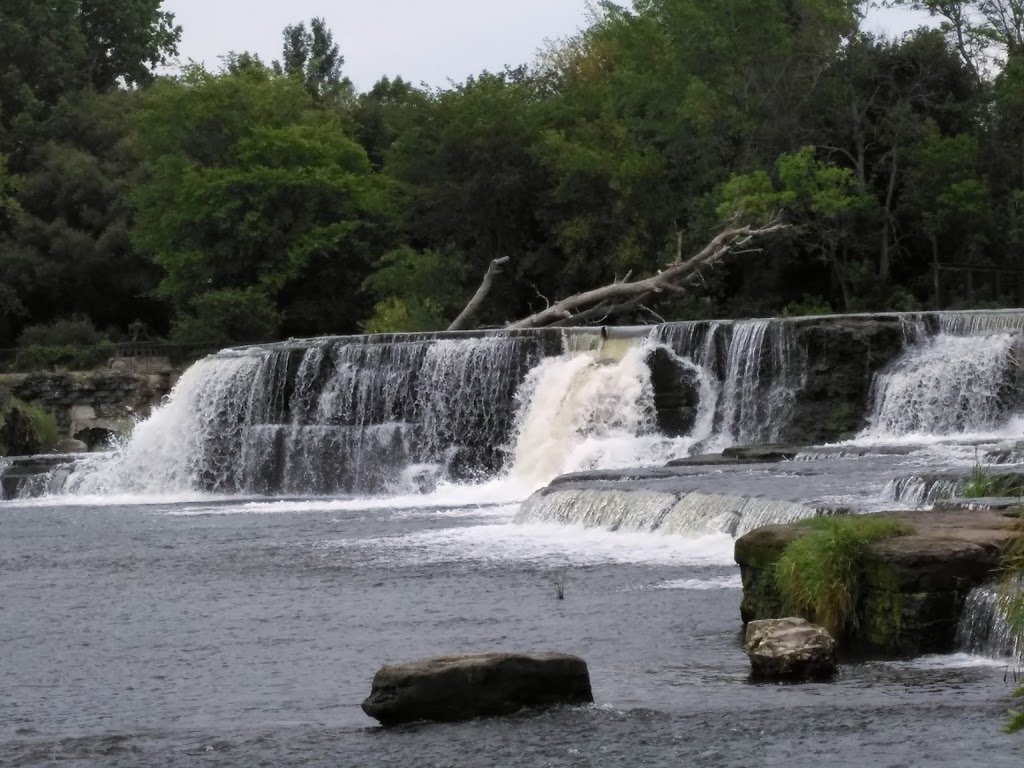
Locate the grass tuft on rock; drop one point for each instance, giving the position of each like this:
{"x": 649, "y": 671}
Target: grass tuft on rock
{"x": 818, "y": 575}
{"x": 983, "y": 483}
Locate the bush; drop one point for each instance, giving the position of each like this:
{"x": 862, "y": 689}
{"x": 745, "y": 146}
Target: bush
{"x": 45, "y": 432}
{"x": 807, "y": 306}
{"x": 227, "y": 317}
{"x": 74, "y": 332}
{"x": 69, "y": 358}
{"x": 818, "y": 575}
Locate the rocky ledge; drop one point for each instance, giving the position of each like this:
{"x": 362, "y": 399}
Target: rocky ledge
{"x": 454, "y": 688}
{"x": 912, "y": 588}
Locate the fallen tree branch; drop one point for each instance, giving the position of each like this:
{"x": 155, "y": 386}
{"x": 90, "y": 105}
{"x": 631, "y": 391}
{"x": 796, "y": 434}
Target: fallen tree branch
{"x": 495, "y": 268}
{"x": 618, "y": 297}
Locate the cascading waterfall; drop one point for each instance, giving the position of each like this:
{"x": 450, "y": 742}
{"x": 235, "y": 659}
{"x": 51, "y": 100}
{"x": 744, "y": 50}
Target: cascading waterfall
{"x": 692, "y": 513}
{"x": 340, "y": 416}
{"x": 984, "y": 629}
{"x": 763, "y": 375}
{"x": 761, "y": 368}
{"x": 962, "y": 380}
{"x": 579, "y": 412}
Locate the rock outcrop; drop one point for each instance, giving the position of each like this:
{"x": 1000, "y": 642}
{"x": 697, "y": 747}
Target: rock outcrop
{"x": 790, "y": 649}
{"x": 911, "y": 588}
{"x": 455, "y": 688}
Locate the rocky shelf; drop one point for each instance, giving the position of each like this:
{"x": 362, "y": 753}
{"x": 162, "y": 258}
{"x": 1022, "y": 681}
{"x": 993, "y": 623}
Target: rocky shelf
{"x": 912, "y": 587}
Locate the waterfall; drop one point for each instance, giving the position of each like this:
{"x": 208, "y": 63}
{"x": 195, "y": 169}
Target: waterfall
{"x": 984, "y": 630}
{"x": 763, "y": 375}
{"x": 692, "y": 513}
{"x": 579, "y": 411}
{"x": 961, "y": 380}
{"x": 337, "y": 416}
{"x": 920, "y": 490}
{"x": 760, "y": 367}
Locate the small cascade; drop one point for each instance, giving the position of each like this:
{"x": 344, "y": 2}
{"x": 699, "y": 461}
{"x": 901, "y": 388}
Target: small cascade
{"x": 962, "y": 380}
{"x": 638, "y": 510}
{"x": 758, "y": 366}
{"x": 922, "y": 490}
{"x": 984, "y": 629}
{"x": 764, "y": 373}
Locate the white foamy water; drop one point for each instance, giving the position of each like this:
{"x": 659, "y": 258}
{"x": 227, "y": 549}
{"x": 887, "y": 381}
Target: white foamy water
{"x": 944, "y": 385}
{"x": 578, "y": 412}
{"x": 703, "y": 585}
{"x": 541, "y": 544}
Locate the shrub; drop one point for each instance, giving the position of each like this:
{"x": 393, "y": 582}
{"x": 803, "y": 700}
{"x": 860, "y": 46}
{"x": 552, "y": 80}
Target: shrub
{"x": 73, "y": 332}
{"x": 66, "y": 357}
{"x": 818, "y": 575}
{"x": 45, "y": 432}
{"x": 227, "y": 317}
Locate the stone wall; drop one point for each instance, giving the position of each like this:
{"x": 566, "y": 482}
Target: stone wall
{"x": 87, "y": 405}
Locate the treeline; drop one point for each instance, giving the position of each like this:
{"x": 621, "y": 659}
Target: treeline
{"x": 271, "y": 199}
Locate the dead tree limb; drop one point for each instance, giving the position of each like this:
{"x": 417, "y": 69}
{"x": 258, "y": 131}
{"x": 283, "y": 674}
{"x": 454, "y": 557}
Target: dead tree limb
{"x": 617, "y": 297}
{"x": 493, "y": 270}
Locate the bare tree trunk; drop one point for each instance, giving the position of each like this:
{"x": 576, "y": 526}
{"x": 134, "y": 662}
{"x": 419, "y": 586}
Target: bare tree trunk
{"x": 493, "y": 270}
{"x": 885, "y": 258}
{"x": 600, "y": 303}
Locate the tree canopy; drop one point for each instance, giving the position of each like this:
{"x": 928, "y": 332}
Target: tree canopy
{"x": 260, "y": 200}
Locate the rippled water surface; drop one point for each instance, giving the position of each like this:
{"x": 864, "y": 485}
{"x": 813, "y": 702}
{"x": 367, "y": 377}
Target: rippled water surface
{"x": 246, "y": 633}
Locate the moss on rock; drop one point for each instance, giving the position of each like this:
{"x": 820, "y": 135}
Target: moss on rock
{"x": 909, "y": 590}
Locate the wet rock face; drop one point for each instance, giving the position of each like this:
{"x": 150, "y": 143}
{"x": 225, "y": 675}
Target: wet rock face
{"x": 676, "y": 393}
{"x": 790, "y": 649}
{"x": 843, "y": 354}
{"x": 456, "y": 688}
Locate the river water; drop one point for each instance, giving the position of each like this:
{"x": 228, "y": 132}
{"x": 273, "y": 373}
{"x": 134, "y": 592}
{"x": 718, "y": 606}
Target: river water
{"x": 161, "y": 606}
{"x": 246, "y": 632}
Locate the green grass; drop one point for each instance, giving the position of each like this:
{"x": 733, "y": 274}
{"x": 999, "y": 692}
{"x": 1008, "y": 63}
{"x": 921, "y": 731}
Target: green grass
{"x": 818, "y": 575}
{"x": 983, "y": 483}
{"x": 44, "y": 423}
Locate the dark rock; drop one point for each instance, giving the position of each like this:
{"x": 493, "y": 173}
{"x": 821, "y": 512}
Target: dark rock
{"x": 676, "y": 392}
{"x": 764, "y": 454}
{"x": 790, "y": 649}
{"x": 454, "y": 688}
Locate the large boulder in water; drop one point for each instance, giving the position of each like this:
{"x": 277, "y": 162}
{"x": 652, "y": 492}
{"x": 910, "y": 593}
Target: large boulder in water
{"x": 790, "y": 649}
{"x": 454, "y": 688}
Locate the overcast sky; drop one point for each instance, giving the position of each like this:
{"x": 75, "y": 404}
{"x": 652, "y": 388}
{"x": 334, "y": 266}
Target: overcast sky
{"x": 421, "y": 41}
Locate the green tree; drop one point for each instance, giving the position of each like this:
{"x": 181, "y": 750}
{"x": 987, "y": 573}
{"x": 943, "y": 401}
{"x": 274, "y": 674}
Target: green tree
{"x": 247, "y": 185}
{"x": 311, "y": 55}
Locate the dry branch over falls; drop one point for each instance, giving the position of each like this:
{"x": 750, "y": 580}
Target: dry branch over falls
{"x": 599, "y": 304}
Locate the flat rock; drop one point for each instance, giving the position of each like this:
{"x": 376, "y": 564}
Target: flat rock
{"x": 456, "y": 688}
{"x": 790, "y": 649}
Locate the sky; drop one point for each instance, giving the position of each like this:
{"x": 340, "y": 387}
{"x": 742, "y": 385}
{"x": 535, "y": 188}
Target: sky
{"x": 424, "y": 42}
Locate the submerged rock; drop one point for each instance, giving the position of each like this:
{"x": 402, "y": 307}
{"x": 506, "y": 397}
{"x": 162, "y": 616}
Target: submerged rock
{"x": 454, "y": 688}
{"x": 790, "y": 649}
{"x": 70, "y": 445}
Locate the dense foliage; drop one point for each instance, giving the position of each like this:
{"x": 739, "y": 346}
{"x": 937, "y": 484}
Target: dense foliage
{"x": 273, "y": 199}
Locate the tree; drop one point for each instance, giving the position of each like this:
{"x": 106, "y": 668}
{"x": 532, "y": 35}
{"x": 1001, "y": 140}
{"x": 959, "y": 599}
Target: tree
{"x": 984, "y": 32}
{"x": 247, "y": 185}
{"x": 820, "y": 199}
{"x": 311, "y": 55}
{"x": 58, "y": 48}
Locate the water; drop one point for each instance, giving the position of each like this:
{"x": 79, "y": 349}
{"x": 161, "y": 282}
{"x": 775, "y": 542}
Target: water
{"x": 246, "y": 632}
{"x": 984, "y": 629}
{"x": 221, "y": 590}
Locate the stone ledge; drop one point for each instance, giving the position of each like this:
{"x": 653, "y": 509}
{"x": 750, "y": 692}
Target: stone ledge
{"x": 913, "y": 587}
